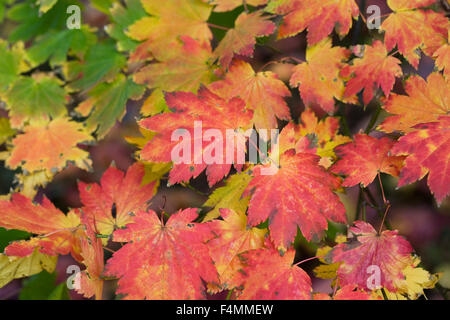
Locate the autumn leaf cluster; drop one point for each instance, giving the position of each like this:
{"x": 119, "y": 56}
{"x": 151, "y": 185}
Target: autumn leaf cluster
{"x": 63, "y": 90}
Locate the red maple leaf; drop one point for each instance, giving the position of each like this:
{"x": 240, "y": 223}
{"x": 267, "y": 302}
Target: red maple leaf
{"x": 300, "y": 194}
{"x": 163, "y": 261}
{"x": 362, "y": 159}
{"x": 206, "y": 109}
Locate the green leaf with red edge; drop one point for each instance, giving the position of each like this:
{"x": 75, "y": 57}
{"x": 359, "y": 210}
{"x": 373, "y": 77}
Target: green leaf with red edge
{"x": 163, "y": 261}
{"x": 271, "y": 276}
{"x": 263, "y": 93}
{"x": 362, "y": 159}
{"x": 299, "y": 195}
{"x": 56, "y": 232}
{"x": 374, "y": 70}
{"x": 184, "y": 70}
{"x": 388, "y": 251}
{"x": 427, "y": 151}
{"x": 319, "y": 17}
{"x": 112, "y": 203}
{"x": 242, "y": 38}
{"x": 214, "y": 113}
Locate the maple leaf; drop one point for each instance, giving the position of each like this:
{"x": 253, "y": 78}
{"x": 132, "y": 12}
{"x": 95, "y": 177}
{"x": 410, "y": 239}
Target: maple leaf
{"x": 388, "y": 251}
{"x": 425, "y": 102}
{"x": 319, "y": 17}
{"x": 359, "y": 168}
{"x": 12, "y": 63}
{"x": 213, "y": 112}
{"x": 410, "y": 28}
{"x": 169, "y": 21}
{"x": 313, "y": 136}
{"x": 49, "y": 146}
{"x": 300, "y": 195}
{"x": 241, "y": 39}
{"x": 112, "y": 203}
{"x": 428, "y": 152}
{"x": 229, "y": 5}
{"x": 185, "y": 69}
{"x": 90, "y": 281}
{"x": 374, "y": 70}
{"x": 123, "y": 17}
{"x": 163, "y": 261}
{"x": 34, "y": 98}
{"x": 229, "y": 196}
{"x": 442, "y": 56}
{"x": 263, "y": 93}
{"x": 318, "y": 78}
{"x": 18, "y": 267}
{"x": 347, "y": 292}
{"x": 57, "y": 233}
{"x": 271, "y": 276}
{"x": 233, "y": 239}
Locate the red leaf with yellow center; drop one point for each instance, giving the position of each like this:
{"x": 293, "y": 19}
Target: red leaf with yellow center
{"x": 112, "y": 203}
{"x": 298, "y": 195}
{"x": 163, "y": 261}
{"x": 367, "y": 250}
{"x": 362, "y": 159}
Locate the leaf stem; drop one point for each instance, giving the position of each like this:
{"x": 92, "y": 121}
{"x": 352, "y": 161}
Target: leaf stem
{"x": 212, "y": 25}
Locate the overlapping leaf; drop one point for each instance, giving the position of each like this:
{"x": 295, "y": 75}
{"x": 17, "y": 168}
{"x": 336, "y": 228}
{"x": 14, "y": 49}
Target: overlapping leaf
{"x": 427, "y": 149}
{"x": 299, "y": 195}
{"x": 358, "y": 167}
{"x": 163, "y": 261}
{"x": 241, "y": 39}
{"x": 263, "y": 93}
{"x": 374, "y": 70}
{"x": 207, "y": 110}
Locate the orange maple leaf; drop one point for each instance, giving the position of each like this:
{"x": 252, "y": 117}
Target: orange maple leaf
{"x": 49, "y": 146}
{"x": 367, "y": 249}
{"x": 113, "y": 203}
{"x": 318, "y": 78}
{"x": 319, "y": 17}
{"x": 228, "y": 5}
{"x": 90, "y": 279}
{"x": 427, "y": 149}
{"x": 374, "y": 70}
{"x": 425, "y": 102}
{"x": 442, "y": 56}
{"x": 56, "y": 232}
{"x": 271, "y": 276}
{"x": 233, "y": 238}
{"x": 411, "y": 28}
{"x": 263, "y": 93}
{"x": 362, "y": 159}
{"x": 163, "y": 261}
{"x": 214, "y": 113}
{"x": 241, "y": 39}
{"x": 300, "y": 195}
